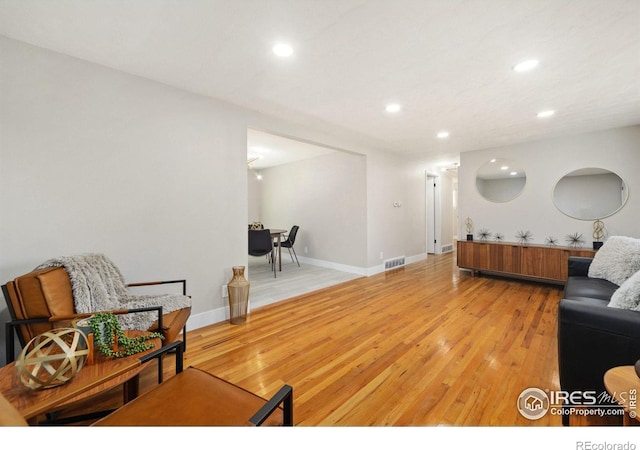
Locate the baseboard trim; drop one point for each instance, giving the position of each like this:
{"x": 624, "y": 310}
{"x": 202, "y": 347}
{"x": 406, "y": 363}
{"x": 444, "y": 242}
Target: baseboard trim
{"x": 217, "y": 315}
{"x": 332, "y": 265}
{"x": 221, "y": 314}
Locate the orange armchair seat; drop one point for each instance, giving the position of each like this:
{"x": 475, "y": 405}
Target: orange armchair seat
{"x": 202, "y": 399}
{"x": 42, "y": 300}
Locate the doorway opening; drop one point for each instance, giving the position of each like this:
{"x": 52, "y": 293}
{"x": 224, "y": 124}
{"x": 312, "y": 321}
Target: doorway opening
{"x": 441, "y": 198}
{"x": 433, "y": 214}
{"x": 298, "y": 185}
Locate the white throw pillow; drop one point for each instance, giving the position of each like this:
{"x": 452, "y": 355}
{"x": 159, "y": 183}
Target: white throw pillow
{"x": 617, "y": 259}
{"x": 627, "y": 296}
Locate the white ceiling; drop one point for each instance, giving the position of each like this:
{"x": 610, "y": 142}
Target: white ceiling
{"x": 272, "y": 150}
{"x": 447, "y": 62}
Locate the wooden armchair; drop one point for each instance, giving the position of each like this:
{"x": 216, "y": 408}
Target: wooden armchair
{"x": 42, "y": 300}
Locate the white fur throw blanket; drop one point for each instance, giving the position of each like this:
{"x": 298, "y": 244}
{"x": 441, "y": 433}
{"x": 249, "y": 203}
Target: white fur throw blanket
{"x": 98, "y": 285}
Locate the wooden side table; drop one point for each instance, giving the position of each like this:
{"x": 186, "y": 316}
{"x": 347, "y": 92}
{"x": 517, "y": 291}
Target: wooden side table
{"x": 105, "y": 373}
{"x": 623, "y": 385}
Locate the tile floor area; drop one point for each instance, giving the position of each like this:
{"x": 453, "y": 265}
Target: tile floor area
{"x": 290, "y": 282}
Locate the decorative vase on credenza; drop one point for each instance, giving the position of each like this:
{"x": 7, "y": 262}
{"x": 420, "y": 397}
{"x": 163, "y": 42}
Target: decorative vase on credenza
{"x": 598, "y": 234}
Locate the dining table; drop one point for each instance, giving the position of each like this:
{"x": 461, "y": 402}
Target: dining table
{"x": 276, "y": 235}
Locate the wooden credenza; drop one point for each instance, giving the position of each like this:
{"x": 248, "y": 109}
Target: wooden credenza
{"x": 532, "y": 261}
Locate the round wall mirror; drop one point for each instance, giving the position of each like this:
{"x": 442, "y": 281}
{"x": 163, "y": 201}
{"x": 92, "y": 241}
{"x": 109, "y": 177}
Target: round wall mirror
{"x": 590, "y": 193}
{"x": 500, "y": 180}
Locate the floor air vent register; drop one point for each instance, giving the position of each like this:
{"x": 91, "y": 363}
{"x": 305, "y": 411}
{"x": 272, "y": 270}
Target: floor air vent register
{"x": 393, "y": 263}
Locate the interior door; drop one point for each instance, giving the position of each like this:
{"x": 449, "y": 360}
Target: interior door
{"x": 431, "y": 213}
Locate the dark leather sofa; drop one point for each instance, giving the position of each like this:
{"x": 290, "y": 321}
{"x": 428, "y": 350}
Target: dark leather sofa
{"x": 592, "y": 338}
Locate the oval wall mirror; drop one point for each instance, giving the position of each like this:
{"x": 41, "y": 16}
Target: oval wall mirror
{"x": 590, "y": 193}
{"x": 500, "y": 180}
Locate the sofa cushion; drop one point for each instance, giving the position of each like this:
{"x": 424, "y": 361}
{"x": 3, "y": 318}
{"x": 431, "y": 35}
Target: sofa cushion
{"x": 581, "y": 287}
{"x": 617, "y": 259}
{"x": 627, "y": 296}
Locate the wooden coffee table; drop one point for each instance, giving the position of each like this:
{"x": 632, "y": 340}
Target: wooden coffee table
{"x": 105, "y": 373}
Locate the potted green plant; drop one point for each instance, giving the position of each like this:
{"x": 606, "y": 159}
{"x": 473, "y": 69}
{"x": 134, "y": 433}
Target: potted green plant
{"x": 106, "y": 329}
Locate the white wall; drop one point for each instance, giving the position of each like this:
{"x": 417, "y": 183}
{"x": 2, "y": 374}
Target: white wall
{"x": 326, "y": 197}
{"x": 95, "y": 160}
{"x": 416, "y": 174}
{"x": 254, "y": 197}
{"x": 545, "y": 162}
{"x": 394, "y": 230}
{"x": 390, "y": 179}
{"x": 414, "y": 212}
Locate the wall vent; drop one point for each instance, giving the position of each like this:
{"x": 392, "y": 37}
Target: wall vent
{"x": 393, "y": 263}
{"x": 447, "y": 248}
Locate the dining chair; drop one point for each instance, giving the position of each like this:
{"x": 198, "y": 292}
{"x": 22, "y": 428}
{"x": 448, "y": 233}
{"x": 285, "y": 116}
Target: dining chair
{"x": 260, "y": 244}
{"x": 288, "y": 243}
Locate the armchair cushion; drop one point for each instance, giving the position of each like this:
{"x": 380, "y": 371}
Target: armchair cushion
{"x": 98, "y": 285}
{"x": 39, "y": 294}
{"x": 47, "y": 293}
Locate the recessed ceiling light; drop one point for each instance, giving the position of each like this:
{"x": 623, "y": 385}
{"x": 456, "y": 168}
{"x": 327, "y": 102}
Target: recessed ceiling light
{"x": 443, "y": 134}
{"x": 392, "y": 108}
{"x": 525, "y": 65}
{"x": 283, "y": 49}
{"x": 513, "y": 173}
{"x": 548, "y": 113}
{"x": 504, "y": 168}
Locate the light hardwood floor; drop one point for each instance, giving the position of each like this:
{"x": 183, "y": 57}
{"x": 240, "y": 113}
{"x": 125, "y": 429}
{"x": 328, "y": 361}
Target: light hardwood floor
{"x": 421, "y": 345}
{"x": 425, "y": 344}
